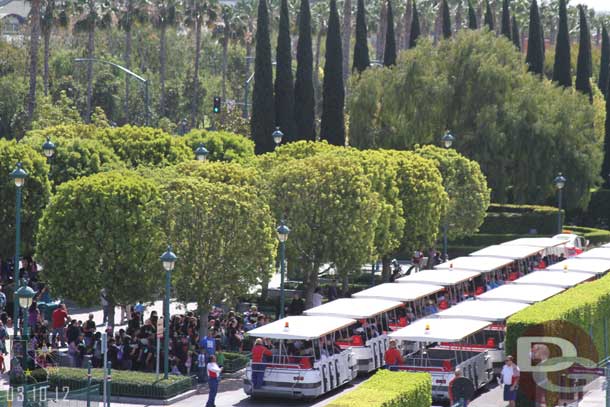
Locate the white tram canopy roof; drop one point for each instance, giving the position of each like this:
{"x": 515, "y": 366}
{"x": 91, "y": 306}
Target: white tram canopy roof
{"x": 444, "y": 277}
{"x": 439, "y": 330}
{"x": 554, "y": 279}
{"x": 356, "y": 308}
{"x": 602, "y": 253}
{"x": 301, "y": 327}
{"x": 607, "y": 245}
{"x": 495, "y": 311}
{"x": 475, "y": 263}
{"x": 399, "y": 292}
{"x": 507, "y": 251}
{"x": 581, "y": 265}
{"x": 541, "y": 242}
{"x": 526, "y": 293}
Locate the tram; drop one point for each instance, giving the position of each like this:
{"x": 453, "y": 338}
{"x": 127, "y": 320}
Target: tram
{"x": 458, "y": 284}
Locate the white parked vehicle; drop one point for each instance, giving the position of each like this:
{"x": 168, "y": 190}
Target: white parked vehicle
{"x": 318, "y": 368}
{"x": 525, "y": 293}
{"x": 438, "y": 346}
{"x": 597, "y": 267}
{"x": 368, "y": 339}
{"x": 458, "y": 284}
{"x": 575, "y": 243}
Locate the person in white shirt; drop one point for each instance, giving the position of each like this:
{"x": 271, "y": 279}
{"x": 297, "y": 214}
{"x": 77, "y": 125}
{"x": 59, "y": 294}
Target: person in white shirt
{"x": 213, "y": 376}
{"x": 316, "y": 298}
{"x": 510, "y": 380}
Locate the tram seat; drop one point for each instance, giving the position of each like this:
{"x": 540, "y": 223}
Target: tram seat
{"x": 305, "y": 362}
{"x": 491, "y": 343}
{"x": 402, "y": 321}
{"x": 357, "y": 340}
{"x": 479, "y": 290}
{"x": 513, "y": 276}
{"x": 447, "y": 366}
{"x": 443, "y": 304}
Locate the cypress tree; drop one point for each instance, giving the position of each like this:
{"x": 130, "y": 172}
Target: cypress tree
{"x": 562, "y": 73}
{"x": 516, "y": 35}
{"x": 332, "y": 127}
{"x": 415, "y": 29}
{"x": 304, "y": 102}
{"x": 604, "y": 69}
{"x": 489, "y": 17}
{"x": 262, "y": 122}
{"x": 606, "y": 164}
{"x": 389, "y": 54}
{"x": 506, "y": 20}
{"x": 583, "y": 67}
{"x": 472, "y": 17}
{"x": 446, "y": 20}
{"x": 535, "y": 55}
{"x": 284, "y": 85}
{"x": 361, "y": 48}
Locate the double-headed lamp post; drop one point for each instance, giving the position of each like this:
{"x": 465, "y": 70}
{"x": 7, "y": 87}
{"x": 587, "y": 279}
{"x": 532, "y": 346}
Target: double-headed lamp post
{"x": 19, "y": 176}
{"x": 169, "y": 261}
{"x": 560, "y": 182}
{"x": 25, "y": 295}
{"x": 282, "y": 235}
{"x": 277, "y": 136}
{"x": 447, "y": 140}
{"x": 201, "y": 153}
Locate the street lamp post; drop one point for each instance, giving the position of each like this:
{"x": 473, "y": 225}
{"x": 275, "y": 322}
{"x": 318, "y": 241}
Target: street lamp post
{"x": 201, "y": 153}
{"x": 560, "y": 182}
{"x": 277, "y": 136}
{"x": 282, "y": 235}
{"x": 25, "y": 295}
{"x": 447, "y": 140}
{"x": 169, "y": 261}
{"x": 48, "y": 148}
{"x": 18, "y": 175}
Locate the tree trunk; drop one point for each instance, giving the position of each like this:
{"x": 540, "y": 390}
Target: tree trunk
{"x": 345, "y": 286}
{"x": 47, "y": 52}
{"x": 111, "y": 310}
{"x": 90, "y": 51}
{"x": 127, "y": 61}
{"x": 480, "y": 14}
{"x": 459, "y": 16}
{"x": 34, "y": 42}
{"x": 438, "y": 25}
{"x": 347, "y": 36}
{"x": 381, "y": 29}
{"x": 203, "y": 319}
{"x": 195, "y": 97}
{"x": 225, "y": 61}
{"x": 162, "y": 67}
{"x": 407, "y": 24}
{"x": 385, "y": 268}
{"x": 310, "y": 280}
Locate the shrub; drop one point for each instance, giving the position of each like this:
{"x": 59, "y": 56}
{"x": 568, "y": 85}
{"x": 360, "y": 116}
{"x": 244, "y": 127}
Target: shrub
{"x": 390, "y": 389}
{"x": 124, "y": 383}
{"x": 598, "y": 211}
{"x": 595, "y": 236}
{"x": 223, "y": 146}
{"x": 520, "y": 219}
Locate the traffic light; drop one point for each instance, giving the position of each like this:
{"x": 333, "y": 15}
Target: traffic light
{"x": 216, "y": 104}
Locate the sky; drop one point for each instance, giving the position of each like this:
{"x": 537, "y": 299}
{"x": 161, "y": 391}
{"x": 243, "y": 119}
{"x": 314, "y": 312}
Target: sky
{"x": 597, "y": 5}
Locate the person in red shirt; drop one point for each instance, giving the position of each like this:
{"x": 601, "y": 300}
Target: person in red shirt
{"x": 59, "y": 319}
{"x": 258, "y": 366}
{"x": 392, "y": 356}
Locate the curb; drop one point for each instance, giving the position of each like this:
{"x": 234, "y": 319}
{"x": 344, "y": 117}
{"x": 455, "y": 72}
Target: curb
{"x": 153, "y": 402}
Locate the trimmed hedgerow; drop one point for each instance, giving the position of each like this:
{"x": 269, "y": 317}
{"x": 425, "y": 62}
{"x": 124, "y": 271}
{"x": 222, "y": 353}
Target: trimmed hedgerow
{"x": 390, "y": 389}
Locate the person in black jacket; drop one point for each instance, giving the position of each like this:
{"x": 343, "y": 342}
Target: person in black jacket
{"x": 297, "y": 305}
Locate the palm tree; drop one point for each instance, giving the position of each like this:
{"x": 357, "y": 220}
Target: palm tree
{"x": 164, "y": 16}
{"x": 53, "y": 13}
{"x": 93, "y": 13}
{"x": 34, "y": 44}
{"x": 128, "y": 13}
{"x": 196, "y": 13}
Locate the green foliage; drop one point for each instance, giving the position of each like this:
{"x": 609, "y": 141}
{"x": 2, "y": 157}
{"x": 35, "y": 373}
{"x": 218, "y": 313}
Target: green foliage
{"x": 489, "y": 17}
{"x": 262, "y": 122}
{"x": 472, "y": 17}
{"x": 535, "y": 48}
{"x": 520, "y": 219}
{"x": 466, "y": 187}
{"x": 447, "y": 30}
{"x": 506, "y": 31}
{"x": 361, "y": 47}
{"x": 304, "y": 102}
{"x": 284, "y": 86}
{"x": 604, "y": 67}
{"x": 219, "y": 172}
{"x": 124, "y": 383}
{"x": 390, "y": 389}
{"x": 415, "y": 29}
{"x": 13, "y": 92}
{"x": 562, "y": 68}
{"x": 389, "y": 53}
{"x": 222, "y": 146}
{"x": 606, "y": 161}
{"x": 52, "y": 113}
{"x": 102, "y": 229}
{"x": 584, "y": 68}
{"x": 594, "y": 236}
{"x": 332, "y": 127}
{"x": 35, "y": 195}
{"x": 505, "y": 119}
{"x": 598, "y": 212}
{"x": 224, "y": 236}
{"x": 516, "y": 36}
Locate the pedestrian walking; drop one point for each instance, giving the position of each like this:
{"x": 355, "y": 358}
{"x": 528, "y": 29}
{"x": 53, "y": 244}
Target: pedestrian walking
{"x": 510, "y": 380}
{"x": 461, "y": 390}
{"x": 59, "y": 319}
{"x": 213, "y": 377}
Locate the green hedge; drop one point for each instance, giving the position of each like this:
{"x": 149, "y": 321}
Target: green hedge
{"x": 520, "y": 219}
{"x": 598, "y": 212}
{"x": 235, "y": 361}
{"x": 124, "y": 383}
{"x": 586, "y": 306}
{"x": 595, "y": 236}
{"x": 390, "y": 389}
